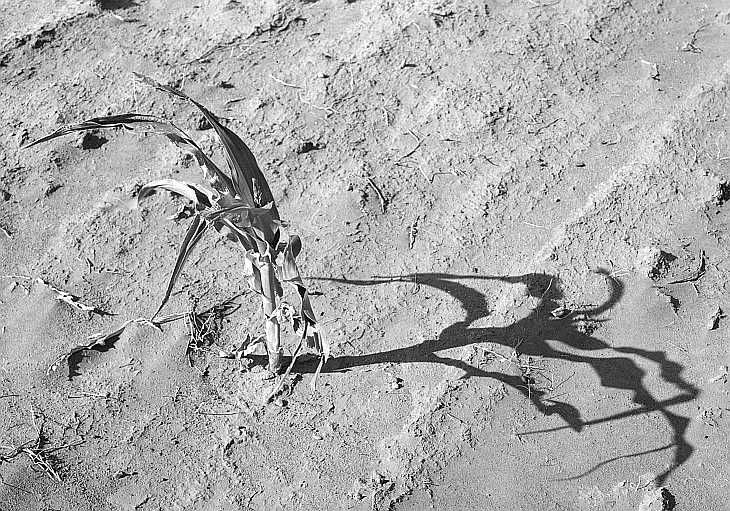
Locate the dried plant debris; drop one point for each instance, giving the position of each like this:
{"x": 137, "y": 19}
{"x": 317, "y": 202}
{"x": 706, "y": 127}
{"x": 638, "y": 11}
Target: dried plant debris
{"x": 412, "y": 233}
{"x": 40, "y": 456}
{"x": 103, "y": 342}
{"x": 246, "y": 348}
{"x": 379, "y": 192}
{"x": 690, "y": 45}
{"x": 99, "y": 343}
{"x": 714, "y": 321}
{"x": 204, "y": 327}
{"x": 72, "y": 300}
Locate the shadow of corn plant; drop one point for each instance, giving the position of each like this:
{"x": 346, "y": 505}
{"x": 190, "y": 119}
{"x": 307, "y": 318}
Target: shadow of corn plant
{"x": 239, "y": 206}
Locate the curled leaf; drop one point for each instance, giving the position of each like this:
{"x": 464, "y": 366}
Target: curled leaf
{"x": 150, "y": 124}
{"x": 198, "y": 195}
{"x": 98, "y": 342}
{"x": 290, "y": 273}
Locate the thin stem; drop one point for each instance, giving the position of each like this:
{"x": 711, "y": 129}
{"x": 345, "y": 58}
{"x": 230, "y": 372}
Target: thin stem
{"x": 273, "y": 330}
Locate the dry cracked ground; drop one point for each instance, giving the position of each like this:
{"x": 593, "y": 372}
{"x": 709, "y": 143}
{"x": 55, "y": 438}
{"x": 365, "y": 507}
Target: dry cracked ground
{"x": 515, "y": 217}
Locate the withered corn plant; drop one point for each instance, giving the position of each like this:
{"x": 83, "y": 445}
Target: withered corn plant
{"x": 241, "y": 207}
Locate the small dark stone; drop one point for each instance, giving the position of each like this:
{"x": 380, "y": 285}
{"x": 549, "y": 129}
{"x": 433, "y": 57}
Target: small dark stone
{"x": 4, "y": 195}
{"x": 307, "y": 146}
{"x": 203, "y": 124}
{"x": 52, "y": 188}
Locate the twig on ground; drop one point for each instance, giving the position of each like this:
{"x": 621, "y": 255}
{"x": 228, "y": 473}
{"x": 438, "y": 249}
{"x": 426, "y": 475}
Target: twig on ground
{"x": 122, "y": 19}
{"x": 381, "y": 197}
{"x": 433, "y": 176}
{"x": 220, "y": 46}
{"x": 285, "y": 84}
{"x": 409, "y": 24}
{"x": 537, "y": 130}
{"x": 412, "y": 233}
{"x": 327, "y": 109}
{"x": 89, "y": 394}
{"x": 37, "y": 455}
{"x": 419, "y": 141}
{"x": 217, "y": 413}
{"x": 690, "y": 45}
{"x": 612, "y": 142}
{"x": 23, "y": 277}
{"x": 456, "y": 418}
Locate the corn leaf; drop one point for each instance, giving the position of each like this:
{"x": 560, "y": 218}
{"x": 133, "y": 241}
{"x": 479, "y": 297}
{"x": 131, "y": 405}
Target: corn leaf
{"x": 242, "y": 211}
{"x": 235, "y": 233}
{"x": 248, "y": 180}
{"x": 150, "y": 124}
{"x": 198, "y": 195}
{"x": 100, "y": 343}
{"x": 197, "y": 227}
{"x": 290, "y": 273}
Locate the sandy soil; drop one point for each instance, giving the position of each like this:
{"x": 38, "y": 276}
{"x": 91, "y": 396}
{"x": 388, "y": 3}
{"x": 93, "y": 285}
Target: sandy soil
{"x": 533, "y": 175}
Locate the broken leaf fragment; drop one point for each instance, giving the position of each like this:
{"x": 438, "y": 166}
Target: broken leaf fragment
{"x": 72, "y": 300}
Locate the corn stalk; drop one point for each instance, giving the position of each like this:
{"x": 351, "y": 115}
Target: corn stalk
{"x": 241, "y": 207}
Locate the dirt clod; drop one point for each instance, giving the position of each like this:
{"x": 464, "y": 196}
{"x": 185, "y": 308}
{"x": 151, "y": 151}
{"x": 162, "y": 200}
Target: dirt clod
{"x": 90, "y": 140}
{"x": 202, "y": 124}
{"x": 308, "y": 146}
{"x": 660, "y": 499}
{"x": 653, "y": 262}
